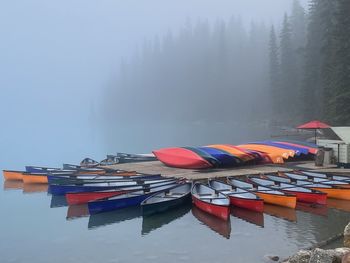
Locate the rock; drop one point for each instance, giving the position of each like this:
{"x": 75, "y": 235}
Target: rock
{"x": 271, "y": 258}
{"x": 321, "y": 256}
{"x": 346, "y": 258}
{"x": 302, "y": 256}
{"x": 339, "y": 253}
{"x": 347, "y": 236}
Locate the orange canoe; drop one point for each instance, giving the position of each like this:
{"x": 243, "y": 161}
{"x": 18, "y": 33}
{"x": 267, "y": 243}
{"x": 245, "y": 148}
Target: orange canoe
{"x": 289, "y": 201}
{"x": 285, "y": 153}
{"x": 35, "y": 178}
{"x": 335, "y": 192}
{"x": 233, "y": 150}
{"x": 13, "y": 175}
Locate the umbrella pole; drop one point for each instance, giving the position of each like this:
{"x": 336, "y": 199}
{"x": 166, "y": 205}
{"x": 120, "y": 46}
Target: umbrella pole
{"x": 315, "y": 135}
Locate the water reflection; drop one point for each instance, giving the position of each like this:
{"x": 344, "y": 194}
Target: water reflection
{"x": 249, "y": 216}
{"x": 58, "y": 201}
{"x": 320, "y": 210}
{"x": 343, "y": 205}
{"x": 222, "y": 227}
{"x": 280, "y": 212}
{"x": 13, "y": 185}
{"x": 76, "y": 211}
{"x": 35, "y": 188}
{"x": 155, "y": 221}
{"x": 113, "y": 217}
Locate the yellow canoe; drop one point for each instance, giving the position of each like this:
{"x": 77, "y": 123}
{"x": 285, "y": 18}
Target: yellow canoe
{"x": 285, "y": 153}
{"x": 12, "y": 175}
{"x": 337, "y": 193}
{"x": 233, "y": 150}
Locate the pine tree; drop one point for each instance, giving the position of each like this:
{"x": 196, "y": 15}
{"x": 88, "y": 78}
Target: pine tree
{"x": 288, "y": 72}
{"x": 274, "y": 72}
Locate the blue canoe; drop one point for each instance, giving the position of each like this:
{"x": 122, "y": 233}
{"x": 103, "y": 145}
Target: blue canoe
{"x": 225, "y": 158}
{"x": 57, "y": 189}
{"x": 125, "y": 200}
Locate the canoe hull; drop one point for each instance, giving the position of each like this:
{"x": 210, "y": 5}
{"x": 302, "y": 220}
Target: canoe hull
{"x": 312, "y": 198}
{"x": 85, "y": 197}
{"x": 336, "y": 193}
{"x": 35, "y": 179}
{"x": 280, "y": 200}
{"x": 102, "y": 206}
{"x": 220, "y": 211}
{"x": 13, "y": 175}
{"x": 250, "y": 204}
{"x": 153, "y": 208}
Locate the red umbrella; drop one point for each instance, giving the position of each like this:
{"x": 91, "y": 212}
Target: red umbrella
{"x": 314, "y": 125}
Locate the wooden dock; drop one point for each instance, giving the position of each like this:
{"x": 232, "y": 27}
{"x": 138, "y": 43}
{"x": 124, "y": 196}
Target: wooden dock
{"x": 156, "y": 167}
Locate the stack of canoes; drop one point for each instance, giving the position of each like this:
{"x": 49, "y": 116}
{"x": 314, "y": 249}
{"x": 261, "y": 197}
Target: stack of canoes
{"x": 127, "y": 158}
{"x": 226, "y": 155}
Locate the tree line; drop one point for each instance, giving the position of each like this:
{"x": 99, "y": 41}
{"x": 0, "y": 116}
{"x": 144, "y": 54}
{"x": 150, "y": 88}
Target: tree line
{"x": 226, "y": 71}
{"x": 310, "y": 64}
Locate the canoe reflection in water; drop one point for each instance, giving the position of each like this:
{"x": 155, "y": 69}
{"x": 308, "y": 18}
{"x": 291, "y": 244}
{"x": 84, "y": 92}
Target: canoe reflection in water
{"x": 281, "y": 212}
{"x": 13, "y": 185}
{"x": 113, "y": 217}
{"x": 76, "y": 211}
{"x": 222, "y": 227}
{"x": 320, "y": 210}
{"x": 249, "y": 216}
{"x": 343, "y": 205}
{"x": 35, "y": 188}
{"x": 155, "y": 221}
{"x": 58, "y": 201}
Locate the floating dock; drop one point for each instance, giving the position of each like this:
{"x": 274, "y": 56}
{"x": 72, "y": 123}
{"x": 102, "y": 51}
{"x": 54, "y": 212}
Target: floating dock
{"x": 156, "y": 167}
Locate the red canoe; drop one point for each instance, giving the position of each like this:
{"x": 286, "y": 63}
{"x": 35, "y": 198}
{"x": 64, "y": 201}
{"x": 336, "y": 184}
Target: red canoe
{"x": 181, "y": 158}
{"x": 84, "y": 197}
{"x": 211, "y": 201}
{"x": 238, "y": 196}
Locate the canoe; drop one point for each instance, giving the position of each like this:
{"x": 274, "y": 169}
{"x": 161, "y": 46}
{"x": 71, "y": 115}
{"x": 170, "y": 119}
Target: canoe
{"x": 298, "y": 150}
{"x": 313, "y": 179}
{"x": 325, "y": 176}
{"x": 269, "y": 195}
{"x": 84, "y": 197}
{"x": 124, "y": 200}
{"x": 331, "y": 190}
{"x": 239, "y": 153}
{"x": 31, "y": 178}
{"x": 57, "y": 189}
{"x": 130, "y": 158}
{"x": 88, "y": 162}
{"x": 181, "y": 158}
{"x": 85, "y": 170}
{"x": 206, "y": 156}
{"x": 269, "y": 149}
{"x": 12, "y": 175}
{"x": 310, "y": 149}
{"x": 225, "y": 158}
{"x": 239, "y": 196}
{"x": 211, "y": 201}
{"x": 88, "y": 178}
{"x": 303, "y": 194}
{"x": 166, "y": 200}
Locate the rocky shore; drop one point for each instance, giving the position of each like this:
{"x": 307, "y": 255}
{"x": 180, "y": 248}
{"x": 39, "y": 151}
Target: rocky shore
{"x": 317, "y": 255}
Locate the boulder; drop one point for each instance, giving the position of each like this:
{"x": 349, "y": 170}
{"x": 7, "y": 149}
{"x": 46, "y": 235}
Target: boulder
{"x": 347, "y": 236}
{"x": 302, "y": 256}
{"x": 321, "y": 256}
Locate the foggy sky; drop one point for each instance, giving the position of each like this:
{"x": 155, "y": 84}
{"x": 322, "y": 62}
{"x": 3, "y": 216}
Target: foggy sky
{"x": 56, "y": 57}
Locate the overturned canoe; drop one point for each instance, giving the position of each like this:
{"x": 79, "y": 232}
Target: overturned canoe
{"x": 225, "y": 158}
{"x": 168, "y": 199}
{"x": 239, "y": 196}
{"x": 181, "y": 158}
{"x": 269, "y": 195}
{"x": 211, "y": 201}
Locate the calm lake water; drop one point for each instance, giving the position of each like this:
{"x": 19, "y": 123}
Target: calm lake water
{"x": 36, "y": 227}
